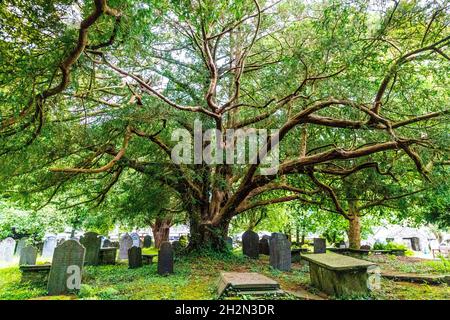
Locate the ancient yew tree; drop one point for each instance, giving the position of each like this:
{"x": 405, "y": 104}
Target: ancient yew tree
{"x": 107, "y": 82}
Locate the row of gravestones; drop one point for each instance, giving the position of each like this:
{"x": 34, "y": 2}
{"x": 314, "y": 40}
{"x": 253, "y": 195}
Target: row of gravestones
{"x": 165, "y": 258}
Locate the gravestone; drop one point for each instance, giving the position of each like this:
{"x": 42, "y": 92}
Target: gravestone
{"x": 136, "y": 239}
{"x": 134, "y": 257}
{"x": 115, "y": 244}
{"x": 59, "y": 241}
{"x": 250, "y": 244}
{"x": 177, "y": 246}
{"x": 415, "y": 244}
{"x": 147, "y": 241}
{"x": 67, "y": 267}
{"x": 49, "y": 247}
{"x": 107, "y": 256}
{"x": 20, "y": 245}
{"x": 7, "y": 248}
{"x": 264, "y": 245}
{"x": 91, "y": 242}
{"x": 320, "y": 245}
{"x": 229, "y": 242}
{"x": 106, "y": 243}
{"x": 165, "y": 259}
{"x": 280, "y": 252}
{"x": 125, "y": 243}
{"x": 365, "y": 247}
{"x": 28, "y": 256}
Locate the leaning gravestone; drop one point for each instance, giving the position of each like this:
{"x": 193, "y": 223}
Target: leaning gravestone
{"x": 136, "y": 239}
{"x": 8, "y": 247}
{"x": 320, "y": 245}
{"x": 20, "y": 245}
{"x": 165, "y": 259}
{"x": 28, "y": 256}
{"x": 49, "y": 247}
{"x": 67, "y": 266}
{"x": 147, "y": 241}
{"x": 250, "y": 244}
{"x": 91, "y": 242}
{"x": 264, "y": 245}
{"x": 134, "y": 257}
{"x": 280, "y": 252}
{"x": 125, "y": 243}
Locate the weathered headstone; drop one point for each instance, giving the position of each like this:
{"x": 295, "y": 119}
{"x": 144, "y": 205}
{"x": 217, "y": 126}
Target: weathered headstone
{"x": 264, "y": 245}
{"x": 20, "y": 245}
{"x": 250, "y": 244}
{"x": 177, "y": 246}
{"x": 106, "y": 243}
{"x": 125, "y": 243}
{"x": 107, "y": 256}
{"x": 91, "y": 242}
{"x": 320, "y": 245}
{"x": 415, "y": 244}
{"x": 280, "y": 252}
{"x": 134, "y": 257}
{"x": 147, "y": 241}
{"x": 229, "y": 242}
{"x": 165, "y": 259}
{"x": 67, "y": 268}
{"x": 28, "y": 256}
{"x": 7, "y": 248}
{"x": 136, "y": 239}
{"x": 49, "y": 247}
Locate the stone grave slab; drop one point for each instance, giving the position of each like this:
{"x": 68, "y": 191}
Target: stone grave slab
{"x": 232, "y": 283}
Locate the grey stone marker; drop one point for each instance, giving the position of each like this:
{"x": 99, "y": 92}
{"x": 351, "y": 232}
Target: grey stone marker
{"x": 264, "y": 245}
{"x": 165, "y": 259}
{"x": 136, "y": 239}
{"x": 250, "y": 244}
{"x": 147, "y": 241}
{"x": 134, "y": 257}
{"x": 320, "y": 245}
{"x": 7, "y": 247}
{"x": 106, "y": 243}
{"x": 125, "y": 243}
{"x": 91, "y": 242}
{"x": 49, "y": 247}
{"x": 280, "y": 252}
{"x": 28, "y": 256}
{"x": 67, "y": 268}
{"x": 20, "y": 245}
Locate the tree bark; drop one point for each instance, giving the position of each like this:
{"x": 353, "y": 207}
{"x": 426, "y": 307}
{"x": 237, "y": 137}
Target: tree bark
{"x": 204, "y": 235}
{"x": 354, "y": 231}
{"x": 161, "y": 230}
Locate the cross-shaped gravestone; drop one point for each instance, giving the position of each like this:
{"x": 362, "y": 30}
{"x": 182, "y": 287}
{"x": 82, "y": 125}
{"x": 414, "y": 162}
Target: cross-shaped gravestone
{"x": 134, "y": 257}
{"x": 165, "y": 259}
{"x": 91, "y": 242}
{"x": 125, "y": 243}
{"x": 28, "y": 256}
{"x": 67, "y": 267}
{"x": 250, "y": 244}
{"x": 280, "y": 252}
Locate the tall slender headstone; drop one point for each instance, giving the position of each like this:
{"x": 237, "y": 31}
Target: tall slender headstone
{"x": 20, "y": 245}
{"x": 125, "y": 243}
{"x": 49, "y": 247}
{"x": 134, "y": 257}
{"x": 264, "y": 245}
{"x": 136, "y": 239}
{"x": 320, "y": 245}
{"x": 250, "y": 244}
{"x": 165, "y": 259}
{"x": 91, "y": 242}
{"x": 7, "y": 247}
{"x": 280, "y": 252}
{"x": 28, "y": 256}
{"x": 147, "y": 241}
{"x": 67, "y": 268}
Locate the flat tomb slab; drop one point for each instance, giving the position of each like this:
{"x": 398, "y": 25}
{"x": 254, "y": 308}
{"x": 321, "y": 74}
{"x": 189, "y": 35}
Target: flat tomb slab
{"x": 337, "y": 262}
{"x": 247, "y": 282}
{"x": 418, "y": 278}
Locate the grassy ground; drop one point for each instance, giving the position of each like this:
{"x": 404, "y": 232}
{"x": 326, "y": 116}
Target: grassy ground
{"x": 195, "y": 277}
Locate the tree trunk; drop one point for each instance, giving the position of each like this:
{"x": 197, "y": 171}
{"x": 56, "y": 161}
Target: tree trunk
{"x": 161, "y": 230}
{"x": 203, "y": 235}
{"x": 354, "y": 232}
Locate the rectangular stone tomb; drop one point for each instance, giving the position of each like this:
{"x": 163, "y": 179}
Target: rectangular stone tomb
{"x": 107, "y": 256}
{"x": 148, "y": 258}
{"x": 337, "y": 274}
{"x": 232, "y": 283}
{"x": 35, "y": 273}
